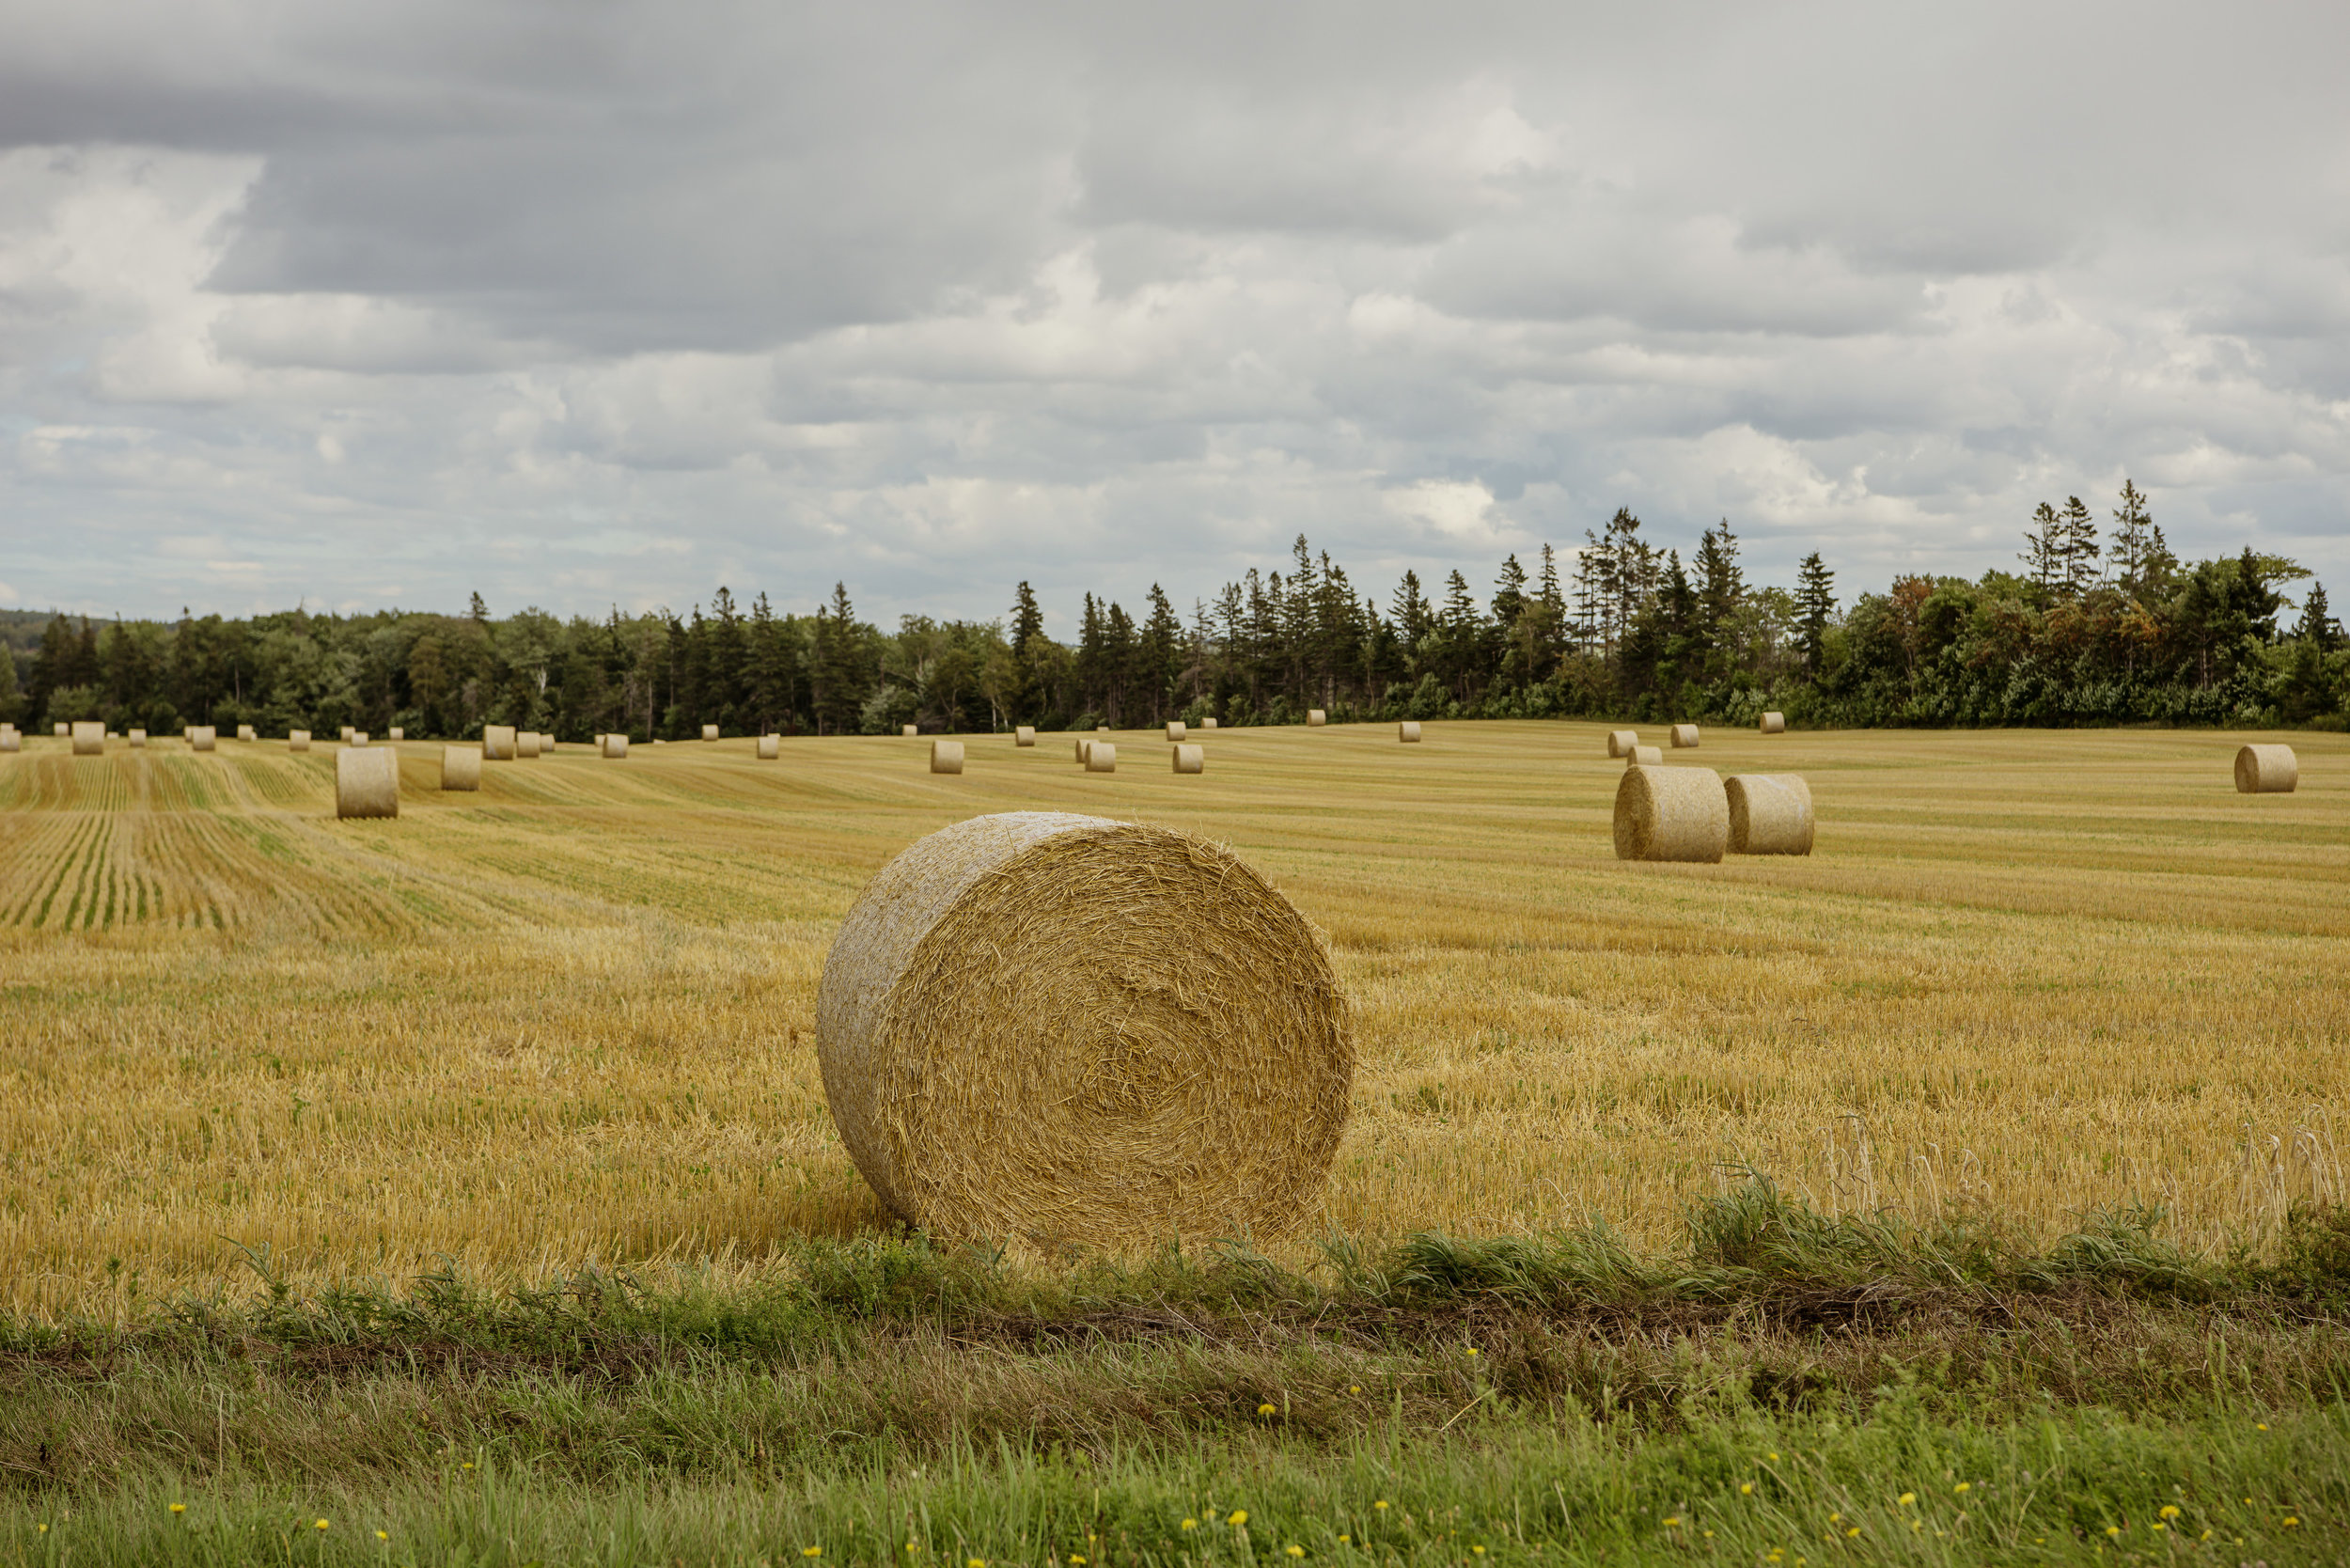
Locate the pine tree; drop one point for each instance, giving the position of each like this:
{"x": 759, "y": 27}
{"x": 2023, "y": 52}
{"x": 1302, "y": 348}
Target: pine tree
{"x": 1815, "y": 594}
{"x": 2079, "y": 547}
{"x": 1721, "y": 589}
{"x": 2317, "y": 627}
{"x": 1161, "y": 654}
{"x": 2044, "y": 548}
{"x": 1408, "y": 612}
{"x": 2133, "y": 539}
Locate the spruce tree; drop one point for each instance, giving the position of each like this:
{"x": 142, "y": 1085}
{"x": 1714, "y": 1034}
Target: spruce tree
{"x": 2317, "y": 627}
{"x": 1815, "y": 594}
{"x": 2132, "y": 540}
{"x": 2044, "y": 548}
{"x": 2079, "y": 546}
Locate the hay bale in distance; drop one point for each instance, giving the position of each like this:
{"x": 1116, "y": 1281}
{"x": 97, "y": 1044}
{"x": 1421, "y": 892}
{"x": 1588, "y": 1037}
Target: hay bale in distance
{"x": 1772, "y": 724}
{"x": 2266, "y": 770}
{"x": 945, "y": 757}
{"x": 710, "y": 731}
{"x": 65, "y": 731}
{"x": 1316, "y": 718}
{"x": 1645, "y": 757}
{"x": 90, "y": 738}
{"x": 344, "y": 734}
{"x": 525, "y": 746}
{"x": 461, "y": 767}
{"x": 1083, "y": 742}
{"x": 615, "y": 745}
{"x": 138, "y": 738}
{"x": 1101, "y": 756}
{"x": 1407, "y": 731}
{"x": 201, "y": 737}
{"x": 366, "y": 783}
{"x": 912, "y": 731}
{"x": 770, "y": 747}
{"x": 1175, "y": 731}
{"x": 1190, "y": 758}
{"x": 1620, "y": 742}
{"x": 393, "y": 733}
{"x": 11, "y": 740}
{"x": 1078, "y": 1031}
{"x": 497, "y": 742}
{"x": 1769, "y": 813}
{"x": 246, "y": 732}
{"x": 358, "y": 737}
{"x": 1208, "y": 723}
{"x": 1101, "y": 728}
{"x": 1684, "y": 735}
{"x": 1672, "y": 814}
{"x": 1024, "y": 734}
{"x": 297, "y": 740}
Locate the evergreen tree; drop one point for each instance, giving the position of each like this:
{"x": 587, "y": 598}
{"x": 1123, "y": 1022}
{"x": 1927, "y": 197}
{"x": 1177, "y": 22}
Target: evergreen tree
{"x": 2044, "y": 548}
{"x": 1816, "y": 596}
{"x": 2317, "y": 627}
{"x": 843, "y": 668}
{"x": 1721, "y": 591}
{"x": 1160, "y": 657}
{"x": 2133, "y": 541}
{"x": 2078, "y": 544}
{"x": 1408, "y": 612}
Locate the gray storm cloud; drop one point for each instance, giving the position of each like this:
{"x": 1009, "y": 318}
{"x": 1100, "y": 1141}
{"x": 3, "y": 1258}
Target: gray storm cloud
{"x": 580, "y": 306}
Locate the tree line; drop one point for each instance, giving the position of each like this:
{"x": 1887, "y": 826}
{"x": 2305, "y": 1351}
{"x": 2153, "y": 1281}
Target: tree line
{"x": 2097, "y": 627}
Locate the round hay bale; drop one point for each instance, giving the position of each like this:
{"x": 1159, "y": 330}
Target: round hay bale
{"x": 1101, "y": 728}
{"x": 344, "y": 734}
{"x": 1175, "y": 731}
{"x": 1084, "y": 742}
{"x": 65, "y": 731}
{"x": 1772, "y": 724}
{"x": 1672, "y": 814}
{"x": 461, "y": 767}
{"x": 525, "y": 746}
{"x": 770, "y": 747}
{"x": 710, "y": 731}
{"x": 912, "y": 731}
{"x": 1620, "y": 742}
{"x": 1101, "y": 756}
{"x": 366, "y": 783}
{"x": 393, "y": 733}
{"x": 1769, "y": 813}
{"x": 11, "y": 740}
{"x": 1644, "y": 757}
{"x": 497, "y": 742}
{"x": 246, "y": 732}
{"x": 297, "y": 740}
{"x": 1684, "y": 735}
{"x": 1070, "y": 1030}
{"x": 90, "y": 738}
{"x": 1024, "y": 734}
{"x": 358, "y": 737}
{"x": 138, "y": 738}
{"x": 1190, "y": 759}
{"x": 2266, "y": 770}
{"x": 1208, "y": 723}
{"x": 615, "y": 745}
{"x": 1316, "y": 718}
{"x": 201, "y": 737}
{"x": 1407, "y": 731}
{"x": 945, "y": 757}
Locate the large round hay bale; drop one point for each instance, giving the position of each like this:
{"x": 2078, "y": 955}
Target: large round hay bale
{"x": 1101, "y": 756}
{"x": 366, "y": 783}
{"x": 1772, "y": 724}
{"x": 1672, "y": 814}
{"x": 1070, "y": 1030}
{"x": 911, "y": 730}
{"x": 1770, "y": 813}
{"x": 1620, "y": 742}
{"x": 615, "y": 745}
{"x": 202, "y": 737}
{"x": 297, "y": 740}
{"x": 1024, "y": 734}
{"x": 1190, "y": 759}
{"x": 770, "y": 747}
{"x": 1316, "y": 718}
{"x": 1644, "y": 756}
{"x": 525, "y": 746}
{"x": 710, "y": 731}
{"x": 1175, "y": 731}
{"x": 1684, "y": 735}
{"x": 2266, "y": 770}
{"x": 246, "y": 732}
{"x": 393, "y": 733}
{"x": 90, "y": 738}
{"x": 1407, "y": 731}
{"x": 1208, "y": 723}
{"x": 461, "y": 767}
{"x": 497, "y": 742}
{"x": 945, "y": 757}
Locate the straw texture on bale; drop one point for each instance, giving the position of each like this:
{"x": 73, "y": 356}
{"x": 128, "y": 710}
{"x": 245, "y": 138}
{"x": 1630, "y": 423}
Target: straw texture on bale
{"x": 945, "y": 757}
{"x": 1644, "y": 756}
{"x": 710, "y": 731}
{"x": 1684, "y": 735}
{"x": 615, "y": 745}
{"x": 525, "y": 746}
{"x": 1672, "y": 814}
{"x": 1190, "y": 759}
{"x": 1076, "y": 1031}
{"x": 1620, "y": 742}
{"x": 297, "y": 740}
{"x": 1175, "y": 731}
{"x": 497, "y": 742}
{"x": 246, "y": 732}
{"x": 2266, "y": 770}
{"x": 1315, "y": 718}
{"x": 1024, "y": 734}
{"x": 770, "y": 747}
{"x": 1407, "y": 731}
{"x": 393, "y": 733}
{"x": 90, "y": 740}
{"x": 366, "y": 783}
{"x": 1770, "y": 813}
{"x": 1101, "y": 756}
{"x": 201, "y": 737}
{"x": 461, "y": 767}
{"x": 1773, "y": 724}
{"x": 1208, "y": 723}
{"x": 911, "y": 730}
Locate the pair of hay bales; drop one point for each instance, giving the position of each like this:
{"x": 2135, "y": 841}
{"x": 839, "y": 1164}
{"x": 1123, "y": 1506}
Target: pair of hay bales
{"x": 2266, "y": 770}
{"x": 1694, "y": 814}
{"x": 1096, "y": 756}
{"x": 1076, "y": 1031}
{"x": 246, "y": 732}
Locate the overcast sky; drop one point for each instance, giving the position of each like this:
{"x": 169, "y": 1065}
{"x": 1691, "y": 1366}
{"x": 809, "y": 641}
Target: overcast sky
{"x": 584, "y": 304}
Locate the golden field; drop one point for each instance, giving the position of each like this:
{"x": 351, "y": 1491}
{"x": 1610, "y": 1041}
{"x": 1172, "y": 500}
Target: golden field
{"x": 568, "y": 1019}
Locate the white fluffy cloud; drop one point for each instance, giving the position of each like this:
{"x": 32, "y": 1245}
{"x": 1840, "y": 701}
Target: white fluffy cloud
{"x": 608, "y": 306}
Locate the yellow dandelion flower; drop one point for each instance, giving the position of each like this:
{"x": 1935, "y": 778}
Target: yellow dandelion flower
{"x": 1265, "y": 1410}
{"x": 1963, "y": 1486}
{"x": 2262, "y": 1426}
{"x": 1836, "y": 1519}
{"x": 1745, "y": 1489}
{"x": 976, "y": 1562}
{"x": 1079, "y": 1560}
{"x": 1908, "y": 1498}
{"x": 1381, "y": 1504}
{"x": 2291, "y": 1522}
{"x": 468, "y": 1464}
{"x": 1240, "y": 1516}
{"x": 1672, "y": 1522}
{"x": 2160, "y": 1525}
{"x": 179, "y": 1508}
{"x": 2113, "y": 1530}
{"x": 1773, "y": 1457}
{"x": 1355, "y": 1389}
{"x": 321, "y": 1524}
{"x": 382, "y": 1535}
{"x": 811, "y": 1551}
{"x": 1191, "y": 1524}
{"x": 1854, "y": 1530}
{"x": 1346, "y": 1541}
{"x": 2170, "y": 1511}
{"x": 1472, "y": 1350}
{"x": 1294, "y": 1552}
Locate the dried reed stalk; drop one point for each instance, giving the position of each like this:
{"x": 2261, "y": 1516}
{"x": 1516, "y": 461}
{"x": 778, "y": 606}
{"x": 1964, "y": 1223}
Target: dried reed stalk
{"x": 1672, "y": 814}
{"x": 461, "y": 767}
{"x": 1190, "y": 759}
{"x": 1068, "y": 1030}
{"x": 2266, "y": 770}
{"x": 1769, "y": 813}
{"x": 366, "y": 783}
